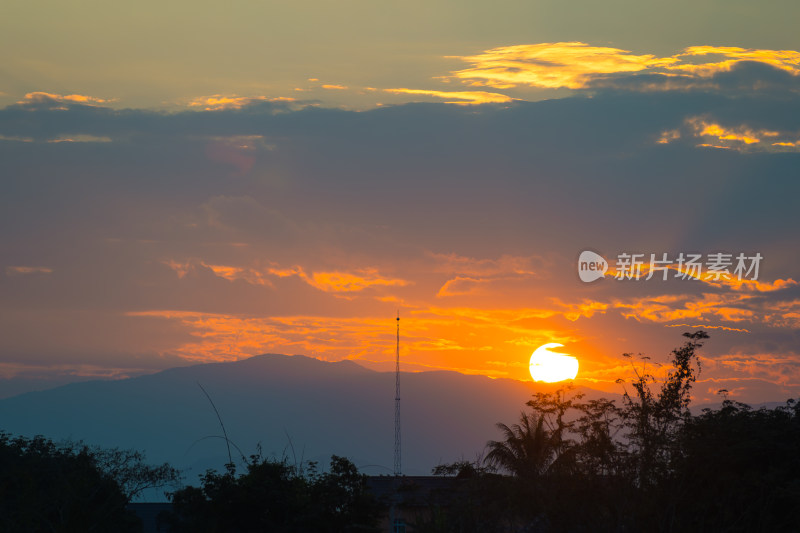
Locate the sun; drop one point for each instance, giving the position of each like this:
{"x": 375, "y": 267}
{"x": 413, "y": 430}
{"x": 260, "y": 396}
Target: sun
{"x": 550, "y": 367}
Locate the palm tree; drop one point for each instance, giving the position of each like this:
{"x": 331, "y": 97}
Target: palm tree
{"x": 527, "y": 450}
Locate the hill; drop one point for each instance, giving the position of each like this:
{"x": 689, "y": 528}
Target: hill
{"x": 300, "y": 406}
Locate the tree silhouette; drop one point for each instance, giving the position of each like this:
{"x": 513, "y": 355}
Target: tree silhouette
{"x": 654, "y": 420}
{"x": 599, "y": 453}
{"x": 275, "y": 496}
{"x": 527, "y": 449}
{"x": 739, "y": 469}
{"x": 68, "y": 487}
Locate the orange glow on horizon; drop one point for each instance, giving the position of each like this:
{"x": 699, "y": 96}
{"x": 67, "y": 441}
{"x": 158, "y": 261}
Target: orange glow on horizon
{"x": 468, "y": 315}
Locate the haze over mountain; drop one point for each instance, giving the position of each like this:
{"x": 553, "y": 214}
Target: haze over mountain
{"x": 323, "y": 408}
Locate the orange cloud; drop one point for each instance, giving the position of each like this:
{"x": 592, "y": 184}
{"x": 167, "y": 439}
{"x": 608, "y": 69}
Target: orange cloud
{"x": 771, "y": 367}
{"x": 287, "y": 272}
{"x": 327, "y": 281}
{"x": 495, "y": 342}
{"x": 708, "y": 326}
{"x": 230, "y": 273}
{"x": 334, "y": 87}
{"x": 460, "y": 286}
{"x": 440, "y": 338}
{"x": 747, "y": 137}
{"x": 586, "y": 308}
{"x": 669, "y": 136}
{"x": 461, "y": 97}
{"x": 738, "y": 305}
{"x": 181, "y": 269}
{"x": 40, "y": 97}
{"x": 740, "y": 137}
{"x": 236, "y": 273}
{"x": 350, "y": 282}
{"x": 220, "y": 102}
{"x": 752, "y": 285}
{"x": 487, "y": 316}
{"x": 576, "y": 65}
{"x": 668, "y": 308}
{"x": 226, "y": 337}
{"x": 727, "y": 277}
{"x": 788, "y": 60}
{"x": 783, "y": 314}
{"x": 795, "y": 144}
{"x": 551, "y": 65}
{"x": 509, "y": 317}
{"x": 340, "y": 282}
{"x": 472, "y": 275}
{"x": 23, "y": 270}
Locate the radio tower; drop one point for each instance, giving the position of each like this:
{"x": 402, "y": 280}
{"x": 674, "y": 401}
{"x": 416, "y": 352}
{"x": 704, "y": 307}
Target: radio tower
{"x": 397, "y": 404}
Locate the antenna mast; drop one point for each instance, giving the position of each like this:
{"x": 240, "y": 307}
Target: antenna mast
{"x": 397, "y": 404}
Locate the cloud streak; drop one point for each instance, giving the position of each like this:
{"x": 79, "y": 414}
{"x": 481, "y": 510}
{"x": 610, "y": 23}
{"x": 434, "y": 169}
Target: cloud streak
{"x": 551, "y": 65}
{"x": 458, "y": 97}
{"x": 26, "y": 270}
{"x": 578, "y": 65}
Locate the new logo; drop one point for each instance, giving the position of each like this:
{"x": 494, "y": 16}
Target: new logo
{"x": 591, "y": 266}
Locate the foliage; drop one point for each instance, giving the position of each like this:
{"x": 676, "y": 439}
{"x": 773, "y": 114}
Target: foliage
{"x": 647, "y": 465}
{"x": 654, "y": 420}
{"x": 277, "y": 497}
{"x": 527, "y": 449}
{"x": 132, "y": 474}
{"x": 739, "y": 469}
{"x": 46, "y": 486}
{"x": 479, "y": 501}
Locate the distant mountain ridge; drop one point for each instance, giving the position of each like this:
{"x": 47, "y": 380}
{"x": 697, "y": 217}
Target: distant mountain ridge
{"x": 294, "y": 405}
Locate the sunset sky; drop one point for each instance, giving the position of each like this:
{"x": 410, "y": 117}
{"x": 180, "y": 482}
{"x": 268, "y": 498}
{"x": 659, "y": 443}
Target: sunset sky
{"x": 186, "y": 182}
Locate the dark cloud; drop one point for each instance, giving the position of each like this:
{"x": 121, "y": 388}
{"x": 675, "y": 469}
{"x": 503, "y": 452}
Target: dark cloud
{"x": 744, "y": 78}
{"x": 755, "y": 77}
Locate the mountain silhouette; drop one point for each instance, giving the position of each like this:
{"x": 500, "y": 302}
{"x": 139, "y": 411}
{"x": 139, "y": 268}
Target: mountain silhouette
{"x": 296, "y": 406}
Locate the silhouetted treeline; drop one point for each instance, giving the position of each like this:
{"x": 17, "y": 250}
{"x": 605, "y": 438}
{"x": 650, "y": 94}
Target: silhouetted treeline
{"x": 274, "y": 496}
{"x": 70, "y": 487}
{"x": 646, "y": 465}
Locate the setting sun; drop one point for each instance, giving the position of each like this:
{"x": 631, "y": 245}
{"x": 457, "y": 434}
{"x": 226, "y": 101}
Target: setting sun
{"x": 551, "y": 367}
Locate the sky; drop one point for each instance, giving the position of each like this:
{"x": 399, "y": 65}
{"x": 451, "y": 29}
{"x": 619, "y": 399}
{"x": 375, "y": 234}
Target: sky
{"x": 196, "y": 181}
